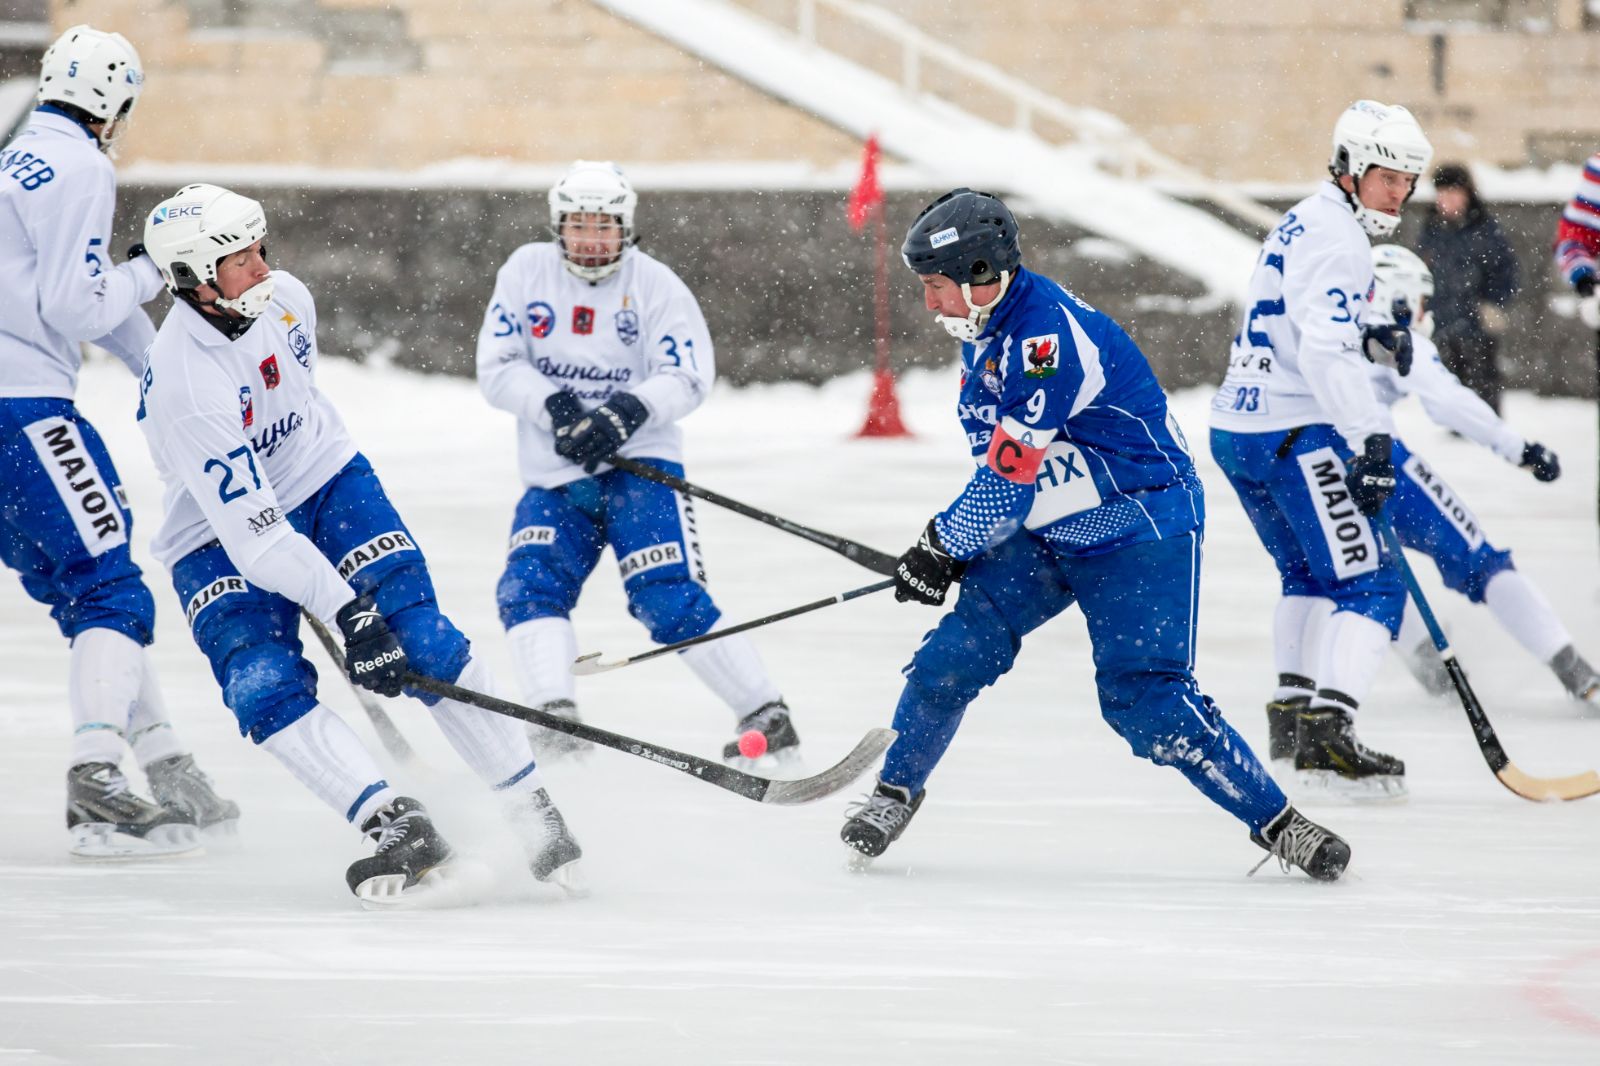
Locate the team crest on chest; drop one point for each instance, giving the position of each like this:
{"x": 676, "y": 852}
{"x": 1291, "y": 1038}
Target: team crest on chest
{"x": 300, "y": 345}
{"x": 582, "y": 320}
{"x": 247, "y": 407}
{"x": 269, "y": 371}
{"x": 628, "y": 326}
{"x": 990, "y": 379}
{"x": 541, "y": 319}
{"x": 1041, "y": 356}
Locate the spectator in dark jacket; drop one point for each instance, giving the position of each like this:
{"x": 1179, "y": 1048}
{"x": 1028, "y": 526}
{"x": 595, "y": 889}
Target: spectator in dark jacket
{"x": 1474, "y": 278}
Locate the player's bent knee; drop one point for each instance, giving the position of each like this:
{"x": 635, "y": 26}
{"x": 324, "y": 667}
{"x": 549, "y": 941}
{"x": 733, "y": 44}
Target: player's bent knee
{"x": 124, "y": 605}
{"x": 1471, "y": 576}
{"x": 267, "y": 687}
{"x": 958, "y": 660}
{"x": 528, "y": 589}
{"x": 435, "y": 647}
{"x": 1160, "y": 713}
{"x": 673, "y": 610}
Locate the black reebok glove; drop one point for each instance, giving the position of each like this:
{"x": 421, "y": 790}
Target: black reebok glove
{"x": 1584, "y": 284}
{"x": 925, "y": 571}
{"x": 1541, "y": 460}
{"x": 1370, "y": 478}
{"x": 1388, "y": 346}
{"x": 597, "y": 436}
{"x": 373, "y": 657}
{"x": 565, "y": 410}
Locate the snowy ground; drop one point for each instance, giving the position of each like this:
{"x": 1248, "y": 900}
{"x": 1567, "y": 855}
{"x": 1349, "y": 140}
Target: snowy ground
{"x": 1055, "y": 901}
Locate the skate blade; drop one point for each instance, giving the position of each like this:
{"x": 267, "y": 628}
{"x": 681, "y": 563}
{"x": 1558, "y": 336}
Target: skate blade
{"x": 569, "y": 878}
{"x": 223, "y": 834}
{"x": 1330, "y": 785}
{"x": 857, "y": 862}
{"x": 457, "y": 883}
{"x": 100, "y": 841}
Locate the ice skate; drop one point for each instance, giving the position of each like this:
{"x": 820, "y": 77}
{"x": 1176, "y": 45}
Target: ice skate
{"x": 1328, "y": 757}
{"x": 1424, "y": 663}
{"x": 552, "y": 744}
{"x": 874, "y": 823}
{"x": 1282, "y": 721}
{"x": 179, "y": 785}
{"x": 1295, "y": 840}
{"x": 107, "y": 820}
{"x": 411, "y": 863}
{"x": 782, "y": 743}
{"x": 1576, "y": 675}
{"x": 553, "y": 852}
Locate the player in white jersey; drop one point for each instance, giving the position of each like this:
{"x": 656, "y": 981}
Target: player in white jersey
{"x": 1299, "y": 431}
{"x": 270, "y": 509}
{"x": 599, "y": 349}
{"x": 1429, "y": 515}
{"x": 64, "y": 523}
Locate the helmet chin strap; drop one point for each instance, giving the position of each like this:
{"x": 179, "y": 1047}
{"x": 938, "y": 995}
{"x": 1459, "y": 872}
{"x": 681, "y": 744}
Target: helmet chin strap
{"x": 1373, "y": 223}
{"x": 250, "y": 303}
{"x": 967, "y": 329}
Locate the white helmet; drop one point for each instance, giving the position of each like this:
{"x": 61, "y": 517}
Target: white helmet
{"x": 1371, "y": 134}
{"x": 190, "y": 231}
{"x": 1402, "y": 289}
{"x": 96, "y": 72}
{"x": 594, "y": 188}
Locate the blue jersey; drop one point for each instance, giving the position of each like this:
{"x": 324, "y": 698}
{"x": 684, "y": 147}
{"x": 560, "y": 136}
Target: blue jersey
{"x": 1070, "y": 431}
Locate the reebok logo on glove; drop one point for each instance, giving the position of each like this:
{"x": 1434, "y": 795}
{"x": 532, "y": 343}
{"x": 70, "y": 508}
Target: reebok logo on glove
{"x": 380, "y": 660}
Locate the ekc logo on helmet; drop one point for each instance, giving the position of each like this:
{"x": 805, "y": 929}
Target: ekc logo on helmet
{"x": 173, "y": 213}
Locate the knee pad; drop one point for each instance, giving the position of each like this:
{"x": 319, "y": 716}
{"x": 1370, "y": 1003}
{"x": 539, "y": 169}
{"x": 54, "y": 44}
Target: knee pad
{"x": 1160, "y": 713}
{"x": 267, "y": 686}
{"x": 964, "y": 654}
{"x": 672, "y": 610}
{"x": 1470, "y": 575}
{"x": 531, "y": 588}
{"x": 432, "y": 643}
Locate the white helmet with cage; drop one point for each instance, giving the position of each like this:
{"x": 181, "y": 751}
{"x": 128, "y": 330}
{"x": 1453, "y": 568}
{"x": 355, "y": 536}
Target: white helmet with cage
{"x": 591, "y": 188}
{"x": 190, "y": 231}
{"x": 1371, "y": 134}
{"x": 95, "y": 72}
{"x": 1402, "y": 289}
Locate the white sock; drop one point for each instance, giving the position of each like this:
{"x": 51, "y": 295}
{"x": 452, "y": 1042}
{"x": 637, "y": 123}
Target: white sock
{"x": 150, "y": 732}
{"x": 493, "y": 745}
{"x": 542, "y": 650}
{"x": 1297, "y": 624}
{"x": 1353, "y": 647}
{"x": 1523, "y": 612}
{"x": 1413, "y": 631}
{"x": 327, "y": 757}
{"x": 103, "y": 678}
{"x": 732, "y": 669}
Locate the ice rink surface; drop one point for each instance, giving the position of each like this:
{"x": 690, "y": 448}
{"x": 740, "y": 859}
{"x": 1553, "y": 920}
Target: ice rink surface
{"x": 1055, "y": 901}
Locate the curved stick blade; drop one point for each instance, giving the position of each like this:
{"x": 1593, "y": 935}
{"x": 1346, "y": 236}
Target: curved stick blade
{"x": 837, "y": 776}
{"x": 1543, "y": 789}
{"x": 591, "y": 664}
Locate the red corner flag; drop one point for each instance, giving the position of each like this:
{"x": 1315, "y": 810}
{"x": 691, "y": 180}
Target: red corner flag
{"x": 867, "y": 193}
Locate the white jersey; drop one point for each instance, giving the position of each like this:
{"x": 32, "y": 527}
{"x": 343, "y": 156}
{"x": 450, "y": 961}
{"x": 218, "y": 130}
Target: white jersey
{"x": 1297, "y": 358}
{"x": 60, "y": 288}
{"x": 638, "y": 331}
{"x": 242, "y": 436}
{"x": 1447, "y": 401}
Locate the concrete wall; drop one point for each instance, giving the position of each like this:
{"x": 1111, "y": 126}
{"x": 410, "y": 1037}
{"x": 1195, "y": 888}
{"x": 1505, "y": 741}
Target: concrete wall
{"x": 785, "y": 284}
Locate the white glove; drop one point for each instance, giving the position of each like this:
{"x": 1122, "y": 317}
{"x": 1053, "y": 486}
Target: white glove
{"x": 1589, "y": 310}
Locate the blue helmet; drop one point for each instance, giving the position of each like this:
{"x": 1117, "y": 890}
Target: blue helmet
{"x": 969, "y": 237}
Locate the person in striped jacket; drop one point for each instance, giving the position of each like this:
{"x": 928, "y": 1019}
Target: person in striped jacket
{"x": 1578, "y": 243}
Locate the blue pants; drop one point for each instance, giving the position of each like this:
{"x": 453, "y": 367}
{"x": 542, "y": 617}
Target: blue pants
{"x": 63, "y": 525}
{"x": 1431, "y": 519}
{"x": 558, "y": 535}
{"x": 252, "y": 636}
{"x": 1291, "y": 483}
{"x": 1141, "y": 604}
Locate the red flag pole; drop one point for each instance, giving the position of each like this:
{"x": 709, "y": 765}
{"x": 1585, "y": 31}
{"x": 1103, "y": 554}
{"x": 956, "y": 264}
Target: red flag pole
{"x": 883, "y": 410}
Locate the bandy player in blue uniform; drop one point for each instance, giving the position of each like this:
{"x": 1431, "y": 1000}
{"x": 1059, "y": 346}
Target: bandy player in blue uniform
{"x": 1305, "y": 442}
{"x": 1084, "y": 493}
{"x": 63, "y": 523}
{"x": 599, "y": 349}
{"x": 1428, "y": 514}
{"x": 271, "y": 510}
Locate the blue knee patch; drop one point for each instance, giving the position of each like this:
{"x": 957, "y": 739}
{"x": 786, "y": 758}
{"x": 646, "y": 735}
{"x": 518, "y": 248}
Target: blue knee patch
{"x": 1159, "y": 712}
{"x": 267, "y": 687}
{"x": 1471, "y": 575}
{"x": 529, "y": 588}
{"x": 673, "y": 610}
{"x": 125, "y": 606}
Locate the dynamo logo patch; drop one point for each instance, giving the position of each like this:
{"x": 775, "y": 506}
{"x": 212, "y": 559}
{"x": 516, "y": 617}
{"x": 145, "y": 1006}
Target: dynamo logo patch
{"x": 944, "y": 237}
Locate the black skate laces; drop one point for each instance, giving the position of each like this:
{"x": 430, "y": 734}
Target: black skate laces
{"x": 879, "y": 811}
{"x": 392, "y": 830}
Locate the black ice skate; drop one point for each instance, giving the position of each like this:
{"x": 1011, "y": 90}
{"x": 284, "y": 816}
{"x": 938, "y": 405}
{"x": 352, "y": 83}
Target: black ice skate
{"x": 1576, "y": 675}
{"x": 409, "y": 851}
{"x": 771, "y": 720}
{"x": 1282, "y": 722}
{"x": 179, "y": 785}
{"x": 874, "y": 823}
{"x": 550, "y": 744}
{"x": 553, "y": 852}
{"x": 1328, "y": 755}
{"x": 1295, "y": 840}
{"x": 107, "y": 820}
